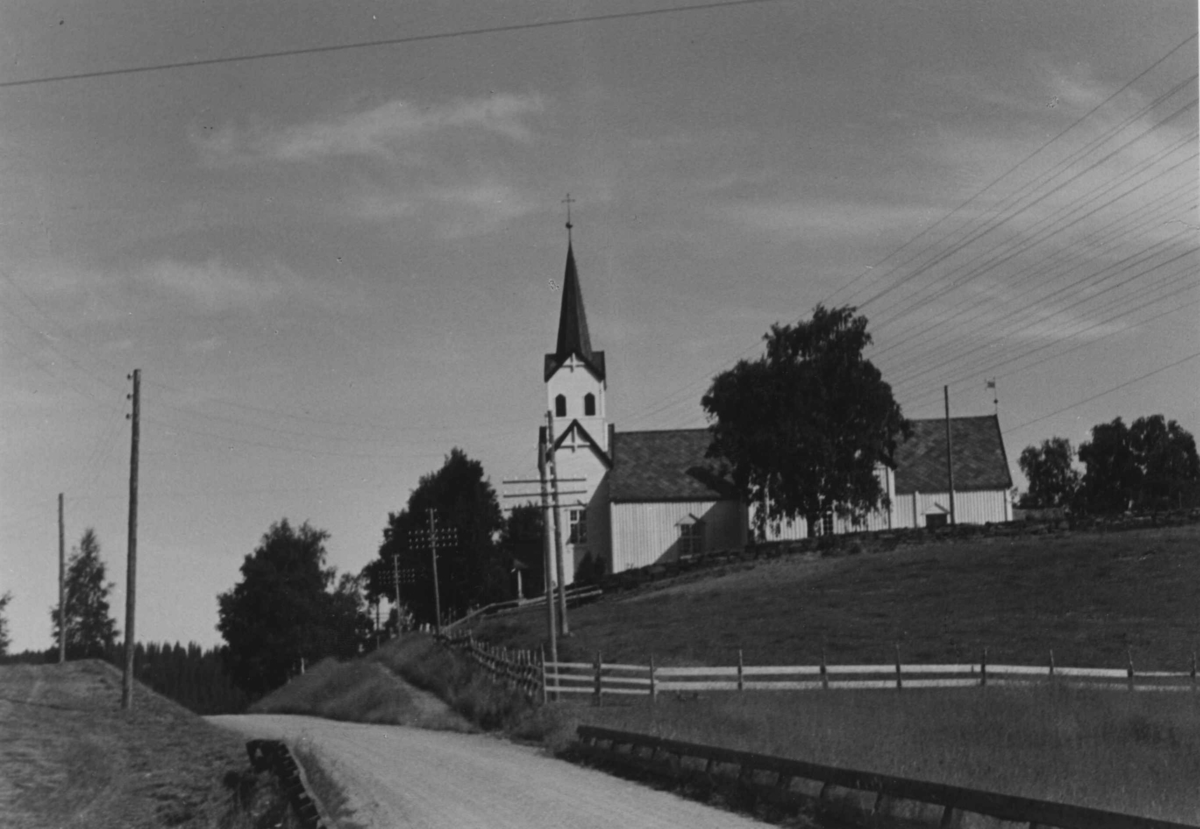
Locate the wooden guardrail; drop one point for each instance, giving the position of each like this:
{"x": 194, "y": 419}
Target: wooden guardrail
{"x": 699, "y": 763}
{"x": 598, "y": 678}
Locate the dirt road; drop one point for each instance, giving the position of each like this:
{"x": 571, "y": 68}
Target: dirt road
{"x": 407, "y": 777}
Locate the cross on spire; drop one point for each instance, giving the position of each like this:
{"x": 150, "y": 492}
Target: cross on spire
{"x": 568, "y": 201}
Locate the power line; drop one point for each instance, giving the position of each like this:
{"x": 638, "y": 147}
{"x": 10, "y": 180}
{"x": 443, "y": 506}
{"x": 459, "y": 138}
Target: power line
{"x": 913, "y": 377}
{"x": 1094, "y": 244}
{"x": 371, "y": 44}
{"x": 997, "y": 222}
{"x": 1053, "y": 226}
{"x": 1075, "y": 335}
{"x": 1016, "y": 166}
{"x": 1097, "y": 396}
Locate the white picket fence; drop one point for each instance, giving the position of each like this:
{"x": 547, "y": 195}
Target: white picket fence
{"x": 598, "y": 678}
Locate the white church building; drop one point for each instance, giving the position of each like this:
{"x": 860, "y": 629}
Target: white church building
{"x": 641, "y": 498}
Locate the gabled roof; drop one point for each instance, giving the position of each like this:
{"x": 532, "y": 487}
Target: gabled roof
{"x": 572, "y": 326}
{"x": 979, "y": 459}
{"x": 562, "y": 436}
{"x": 665, "y": 466}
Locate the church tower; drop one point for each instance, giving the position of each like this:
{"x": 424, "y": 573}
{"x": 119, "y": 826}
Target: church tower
{"x": 575, "y": 377}
{"x": 576, "y": 382}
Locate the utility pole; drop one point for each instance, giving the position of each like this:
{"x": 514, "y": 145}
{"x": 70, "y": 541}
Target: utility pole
{"x": 396, "y": 580}
{"x": 449, "y": 536}
{"x": 558, "y": 543}
{"x": 437, "y": 592}
{"x": 131, "y": 574}
{"x": 547, "y": 527}
{"x": 62, "y": 585}
{"x": 547, "y": 550}
{"x": 949, "y": 455}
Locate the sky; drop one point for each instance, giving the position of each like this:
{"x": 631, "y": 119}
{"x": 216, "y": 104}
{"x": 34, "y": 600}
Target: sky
{"x": 332, "y": 267}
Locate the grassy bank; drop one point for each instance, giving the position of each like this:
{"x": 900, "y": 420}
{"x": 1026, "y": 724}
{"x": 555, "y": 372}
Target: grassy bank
{"x": 1134, "y": 753}
{"x": 410, "y": 681}
{"x": 69, "y": 757}
{"x": 1087, "y": 596}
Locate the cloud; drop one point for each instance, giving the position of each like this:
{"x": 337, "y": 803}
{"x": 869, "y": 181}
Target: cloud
{"x": 827, "y": 220}
{"x": 479, "y": 207}
{"x": 214, "y": 286}
{"x": 394, "y": 131}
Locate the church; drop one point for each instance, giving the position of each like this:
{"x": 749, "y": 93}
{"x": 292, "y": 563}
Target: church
{"x": 632, "y": 499}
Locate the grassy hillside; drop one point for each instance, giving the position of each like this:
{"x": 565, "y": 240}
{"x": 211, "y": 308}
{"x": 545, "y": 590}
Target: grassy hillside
{"x": 69, "y": 757}
{"x": 410, "y": 681}
{"x": 1087, "y": 596}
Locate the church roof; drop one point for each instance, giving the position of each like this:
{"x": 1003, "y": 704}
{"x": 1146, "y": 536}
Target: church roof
{"x": 665, "y": 466}
{"x": 980, "y": 462}
{"x": 572, "y": 326}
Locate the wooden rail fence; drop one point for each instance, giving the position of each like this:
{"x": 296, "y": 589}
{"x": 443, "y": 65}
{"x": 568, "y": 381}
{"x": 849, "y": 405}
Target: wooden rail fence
{"x": 598, "y": 678}
{"x": 521, "y": 670}
{"x": 857, "y": 794}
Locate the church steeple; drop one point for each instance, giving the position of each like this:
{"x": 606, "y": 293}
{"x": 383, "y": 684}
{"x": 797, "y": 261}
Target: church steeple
{"x": 572, "y": 320}
{"x": 573, "y": 337}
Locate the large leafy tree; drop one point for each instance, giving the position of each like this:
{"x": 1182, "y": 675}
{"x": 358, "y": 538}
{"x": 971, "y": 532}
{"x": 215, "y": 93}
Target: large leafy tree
{"x": 1053, "y": 481}
{"x": 471, "y": 569}
{"x": 1112, "y": 476}
{"x": 805, "y": 426}
{"x": 288, "y": 610}
{"x": 91, "y": 631}
{"x": 1149, "y": 465}
{"x": 1166, "y": 455}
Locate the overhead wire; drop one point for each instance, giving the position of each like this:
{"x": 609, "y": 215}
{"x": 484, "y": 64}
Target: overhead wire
{"x": 997, "y": 222}
{"x": 829, "y": 298}
{"x": 1095, "y": 244}
{"x": 1104, "y": 393}
{"x": 374, "y": 44}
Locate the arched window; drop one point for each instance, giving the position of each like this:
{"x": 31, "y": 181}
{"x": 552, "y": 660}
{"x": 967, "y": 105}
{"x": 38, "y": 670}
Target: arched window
{"x": 589, "y": 405}
{"x": 560, "y": 406}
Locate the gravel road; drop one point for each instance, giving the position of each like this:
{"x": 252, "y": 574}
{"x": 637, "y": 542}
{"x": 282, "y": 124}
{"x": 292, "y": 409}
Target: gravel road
{"x": 398, "y": 777}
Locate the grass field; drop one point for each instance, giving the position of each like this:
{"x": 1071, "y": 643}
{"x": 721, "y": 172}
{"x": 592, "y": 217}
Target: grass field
{"x": 1130, "y": 753}
{"x": 1091, "y": 597}
{"x": 69, "y": 757}
{"x": 1087, "y": 596}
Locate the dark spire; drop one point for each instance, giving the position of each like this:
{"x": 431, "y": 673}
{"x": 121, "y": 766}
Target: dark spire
{"x": 572, "y": 326}
{"x": 572, "y": 320}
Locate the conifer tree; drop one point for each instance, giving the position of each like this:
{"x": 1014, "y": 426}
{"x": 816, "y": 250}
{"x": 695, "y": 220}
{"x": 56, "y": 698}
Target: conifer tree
{"x": 91, "y": 631}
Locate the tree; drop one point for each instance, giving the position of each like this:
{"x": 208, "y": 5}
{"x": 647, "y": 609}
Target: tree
{"x": 4, "y": 640}
{"x": 1111, "y": 477}
{"x": 522, "y": 544}
{"x": 1053, "y": 482}
{"x": 1151, "y": 465}
{"x": 285, "y": 612}
{"x": 1166, "y": 454}
{"x": 91, "y": 631}
{"x": 804, "y": 427}
{"x": 471, "y": 570}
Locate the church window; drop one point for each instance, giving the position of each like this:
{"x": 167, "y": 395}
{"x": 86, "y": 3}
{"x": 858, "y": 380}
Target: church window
{"x": 577, "y": 522}
{"x": 589, "y": 405}
{"x": 691, "y": 539}
{"x": 560, "y": 406}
